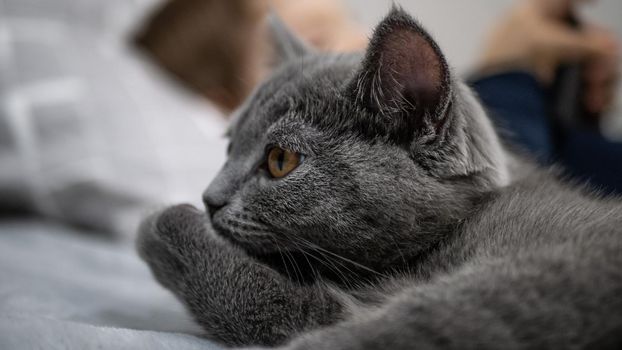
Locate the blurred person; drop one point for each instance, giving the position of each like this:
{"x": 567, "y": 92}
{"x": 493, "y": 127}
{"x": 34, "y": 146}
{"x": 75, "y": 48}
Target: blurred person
{"x": 212, "y": 47}
{"x": 541, "y": 35}
{"x": 547, "y": 77}
{"x": 89, "y": 127}
{"x": 220, "y": 48}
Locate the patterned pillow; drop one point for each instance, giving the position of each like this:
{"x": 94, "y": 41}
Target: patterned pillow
{"x": 89, "y": 132}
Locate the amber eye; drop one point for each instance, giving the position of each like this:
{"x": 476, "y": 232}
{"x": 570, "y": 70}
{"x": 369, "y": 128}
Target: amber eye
{"x": 281, "y": 162}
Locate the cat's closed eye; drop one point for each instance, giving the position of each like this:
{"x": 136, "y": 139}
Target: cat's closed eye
{"x": 282, "y": 162}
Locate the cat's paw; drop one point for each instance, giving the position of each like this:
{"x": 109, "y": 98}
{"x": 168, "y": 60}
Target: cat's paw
{"x": 168, "y": 241}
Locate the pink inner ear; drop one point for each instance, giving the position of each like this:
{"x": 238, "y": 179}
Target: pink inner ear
{"x": 412, "y": 68}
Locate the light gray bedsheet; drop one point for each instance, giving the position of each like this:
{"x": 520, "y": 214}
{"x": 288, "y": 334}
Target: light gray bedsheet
{"x": 63, "y": 289}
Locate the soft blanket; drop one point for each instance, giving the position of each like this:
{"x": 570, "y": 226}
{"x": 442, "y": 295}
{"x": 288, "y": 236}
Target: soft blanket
{"x": 63, "y": 289}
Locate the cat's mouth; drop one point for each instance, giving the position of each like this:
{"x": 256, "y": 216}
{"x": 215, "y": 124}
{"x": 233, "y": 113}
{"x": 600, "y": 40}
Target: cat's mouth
{"x": 251, "y": 238}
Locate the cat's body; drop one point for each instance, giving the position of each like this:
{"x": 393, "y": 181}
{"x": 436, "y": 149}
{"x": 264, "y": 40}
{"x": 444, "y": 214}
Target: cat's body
{"x": 405, "y": 224}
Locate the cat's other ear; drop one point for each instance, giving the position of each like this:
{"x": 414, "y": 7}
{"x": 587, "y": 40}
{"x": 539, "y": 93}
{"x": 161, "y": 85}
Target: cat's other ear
{"x": 286, "y": 45}
{"x": 404, "y": 79}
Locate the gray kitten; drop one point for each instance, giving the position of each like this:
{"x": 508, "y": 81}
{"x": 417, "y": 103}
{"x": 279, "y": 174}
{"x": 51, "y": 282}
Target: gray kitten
{"x": 367, "y": 203}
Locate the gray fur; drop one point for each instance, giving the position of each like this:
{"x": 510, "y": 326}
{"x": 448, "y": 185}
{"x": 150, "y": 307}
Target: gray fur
{"x": 408, "y": 225}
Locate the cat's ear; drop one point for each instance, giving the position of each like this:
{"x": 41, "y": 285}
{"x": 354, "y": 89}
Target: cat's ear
{"x": 286, "y": 45}
{"x": 404, "y": 79}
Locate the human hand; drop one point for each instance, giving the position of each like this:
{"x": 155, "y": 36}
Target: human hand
{"x": 602, "y": 72}
{"x": 534, "y": 36}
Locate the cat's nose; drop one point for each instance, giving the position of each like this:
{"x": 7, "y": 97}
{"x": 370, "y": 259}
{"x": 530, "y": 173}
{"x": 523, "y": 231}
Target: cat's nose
{"x": 213, "y": 202}
{"x": 221, "y": 189}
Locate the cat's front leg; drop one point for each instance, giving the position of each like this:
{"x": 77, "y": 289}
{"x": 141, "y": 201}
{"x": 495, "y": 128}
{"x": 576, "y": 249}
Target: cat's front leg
{"x": 236, "y": 299}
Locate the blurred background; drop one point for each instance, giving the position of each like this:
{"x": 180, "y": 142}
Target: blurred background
{"x": 460, "y": 26}
{"x": 111, "y": 109}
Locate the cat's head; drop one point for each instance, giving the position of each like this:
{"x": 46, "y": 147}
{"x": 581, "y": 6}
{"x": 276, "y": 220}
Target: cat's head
{"x": 374, "y": 158}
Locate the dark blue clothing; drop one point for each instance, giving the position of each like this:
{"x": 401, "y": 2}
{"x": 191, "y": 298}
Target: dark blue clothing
{"x": 520, "y": 108}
